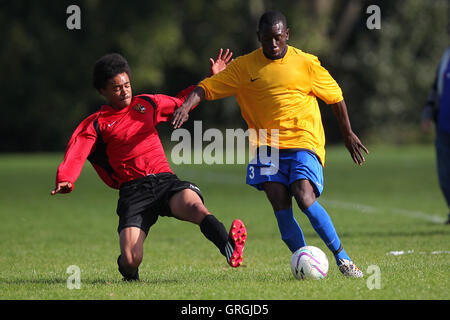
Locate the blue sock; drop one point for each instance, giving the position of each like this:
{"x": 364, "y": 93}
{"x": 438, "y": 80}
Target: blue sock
{"x": 323, "y": 225}
{"x": 291, "y": 233}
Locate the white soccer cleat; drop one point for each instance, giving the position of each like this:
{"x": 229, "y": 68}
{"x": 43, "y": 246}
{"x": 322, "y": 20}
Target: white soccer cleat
{"x": 349, "y": 269}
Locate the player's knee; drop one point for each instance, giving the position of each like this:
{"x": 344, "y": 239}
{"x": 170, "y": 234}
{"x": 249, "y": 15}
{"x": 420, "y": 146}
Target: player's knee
{"x": 303, "y": 193}
{"x": 304, "y": 199}
{"x": 198, "y": 211}
{"x": 278, "y": 196}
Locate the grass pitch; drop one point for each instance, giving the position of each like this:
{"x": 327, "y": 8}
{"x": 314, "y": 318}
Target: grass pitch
{"x": 389, "y": 214}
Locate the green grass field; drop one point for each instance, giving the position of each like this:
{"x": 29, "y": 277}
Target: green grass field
{"x": 391, "y": 204}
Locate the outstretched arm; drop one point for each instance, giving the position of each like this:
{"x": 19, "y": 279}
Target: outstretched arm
{"x": 352, "y": 142}
{"x": 181, "y": 115}
{"x": 78, "y": 149}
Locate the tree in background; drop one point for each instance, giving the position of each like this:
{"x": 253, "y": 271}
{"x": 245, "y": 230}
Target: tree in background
{"x": 46, "y": 68}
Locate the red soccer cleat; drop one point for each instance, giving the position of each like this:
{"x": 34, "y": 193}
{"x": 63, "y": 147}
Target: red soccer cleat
{"x": 235, "y": 245}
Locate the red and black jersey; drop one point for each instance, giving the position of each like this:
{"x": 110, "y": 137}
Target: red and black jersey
{"x": 122, "y": 145}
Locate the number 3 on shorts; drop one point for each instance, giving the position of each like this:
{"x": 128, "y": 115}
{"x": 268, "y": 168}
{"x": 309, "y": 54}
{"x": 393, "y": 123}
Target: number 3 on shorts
{"x": 251, "y": 173}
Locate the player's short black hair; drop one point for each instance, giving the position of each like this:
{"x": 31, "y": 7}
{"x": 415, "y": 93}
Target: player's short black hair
{"x": 271, "y": 18}
{"x": 107, "y": 67}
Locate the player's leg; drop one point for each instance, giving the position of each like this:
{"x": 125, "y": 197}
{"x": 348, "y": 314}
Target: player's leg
{"x": 306, "y": 185}
{"x": 131, "y": 252}
{"x": 135, "y": 219}
{"x": 187, "y": 205}
{"x": 274, "y": 183}
{"x": 304, "y": 194}
{"x": 281, "y": 201}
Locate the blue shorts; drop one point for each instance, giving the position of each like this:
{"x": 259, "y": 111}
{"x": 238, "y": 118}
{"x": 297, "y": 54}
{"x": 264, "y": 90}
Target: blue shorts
{"x": 291, "y": 165}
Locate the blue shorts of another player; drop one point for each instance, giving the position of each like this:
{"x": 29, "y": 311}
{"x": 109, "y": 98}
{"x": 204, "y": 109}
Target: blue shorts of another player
{"x": 291, "y": 165}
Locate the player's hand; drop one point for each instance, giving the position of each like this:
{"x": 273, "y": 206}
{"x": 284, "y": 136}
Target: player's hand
{"x": 221, "y": 61}
{"x": 180, "y": 116}
{"x": 62, "y": 187}
{"x": 354, "y": 146}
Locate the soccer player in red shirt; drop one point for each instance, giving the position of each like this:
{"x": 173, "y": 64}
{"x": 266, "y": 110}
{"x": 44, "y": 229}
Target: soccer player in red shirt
{"x": 121, "y": 142}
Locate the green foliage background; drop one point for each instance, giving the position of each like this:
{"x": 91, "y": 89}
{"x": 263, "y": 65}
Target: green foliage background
{"x": 46, "y": 69}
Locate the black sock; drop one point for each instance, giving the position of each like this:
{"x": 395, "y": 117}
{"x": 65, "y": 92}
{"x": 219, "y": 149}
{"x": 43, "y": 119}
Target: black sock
{"x": 215, "y": 231}
{"x": 126, "y": 275}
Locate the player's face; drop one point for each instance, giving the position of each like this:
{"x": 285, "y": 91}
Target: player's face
{"x": 273, "y": 40}
{"x": 118, "y": 91}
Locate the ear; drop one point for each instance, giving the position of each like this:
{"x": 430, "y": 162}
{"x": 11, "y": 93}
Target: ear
{"x": 287, "y": 34}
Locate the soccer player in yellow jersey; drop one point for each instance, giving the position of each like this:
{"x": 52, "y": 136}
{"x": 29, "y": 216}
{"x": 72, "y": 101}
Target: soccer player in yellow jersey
{"x": 277, "y": 87}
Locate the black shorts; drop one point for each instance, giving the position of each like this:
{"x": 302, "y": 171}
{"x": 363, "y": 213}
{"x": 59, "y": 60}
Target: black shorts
{"x": 142, "y": 200}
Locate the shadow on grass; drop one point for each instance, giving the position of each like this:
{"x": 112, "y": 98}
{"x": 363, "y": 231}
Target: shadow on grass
{"x": 150, "y": 279}
{"x": 32, "y": 281}
{"x": 94, "y": 282}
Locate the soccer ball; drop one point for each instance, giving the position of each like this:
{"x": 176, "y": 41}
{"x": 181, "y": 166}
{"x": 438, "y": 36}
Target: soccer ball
{"x": 309, "y": 263}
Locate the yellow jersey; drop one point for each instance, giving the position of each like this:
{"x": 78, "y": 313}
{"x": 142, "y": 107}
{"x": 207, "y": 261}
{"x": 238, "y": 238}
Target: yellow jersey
{"x": 279, "y": 94}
